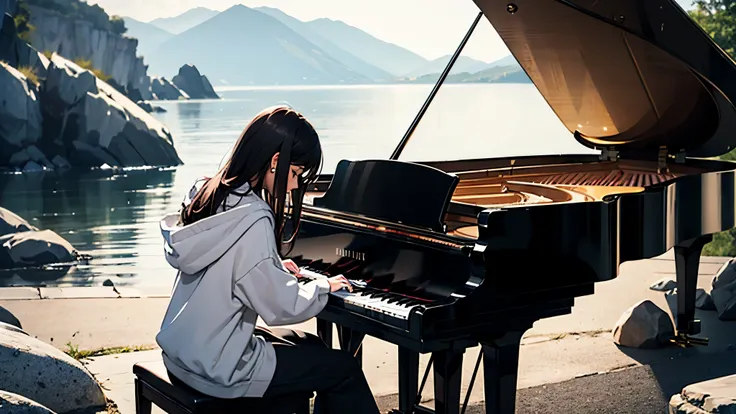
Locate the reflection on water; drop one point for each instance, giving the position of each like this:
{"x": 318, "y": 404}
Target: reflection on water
{"x": 114, "y": 217}
{"x": 111, "y": 216}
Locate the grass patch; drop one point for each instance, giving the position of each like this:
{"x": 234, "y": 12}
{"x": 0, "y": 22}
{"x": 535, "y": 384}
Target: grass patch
{"x": 73, "y": 350}
{"x": 87, "y": 64}
{"x": 30, "y": 73}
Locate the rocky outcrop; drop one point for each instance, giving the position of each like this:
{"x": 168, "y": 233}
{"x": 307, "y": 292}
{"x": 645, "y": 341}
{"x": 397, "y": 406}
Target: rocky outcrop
{"x": 644, "y": 325}
{"x": 713, "y": 396}
{"x": 148, "y": 107}
{"x": 11, "y": 403}
{"x": 18, "y": 53}
{"x": 724, "y": 291}
{"x": 32, "y": 247}
{"x": 85, "y": 123}
{"x": 111, "y": 53}
{"x": 46, "y": 375}
{"x": 196, "y": 85}
{"x": 164, "y": 90}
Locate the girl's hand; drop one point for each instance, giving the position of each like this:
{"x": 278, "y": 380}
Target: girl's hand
{"x": 339, "y": 282}
{"x": 291, "y": 267}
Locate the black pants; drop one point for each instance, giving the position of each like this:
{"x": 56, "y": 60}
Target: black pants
{"x": 305, "y": 363}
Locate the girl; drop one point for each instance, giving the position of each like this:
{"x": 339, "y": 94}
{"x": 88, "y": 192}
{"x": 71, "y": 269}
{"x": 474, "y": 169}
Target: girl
{"x": 226, "y": 245}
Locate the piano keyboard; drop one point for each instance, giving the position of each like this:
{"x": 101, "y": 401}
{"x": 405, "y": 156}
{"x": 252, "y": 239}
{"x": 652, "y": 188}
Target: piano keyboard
{"x": 388, "y": 307}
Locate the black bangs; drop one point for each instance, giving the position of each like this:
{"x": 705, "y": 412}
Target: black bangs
{"x": 276, "y": 130}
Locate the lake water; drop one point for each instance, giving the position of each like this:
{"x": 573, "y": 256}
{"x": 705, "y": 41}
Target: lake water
{"x": 114, "y": 216}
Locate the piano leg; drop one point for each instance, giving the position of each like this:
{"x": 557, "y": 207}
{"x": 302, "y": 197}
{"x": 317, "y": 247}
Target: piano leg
{"x": 687, "y": 262}
{"x": 448, "y": 368}
{"x": 408, "y": 380}
{"x": 351, "y": 342}
{"x": 500, "y": 369}
{"x": 324, "y": 331}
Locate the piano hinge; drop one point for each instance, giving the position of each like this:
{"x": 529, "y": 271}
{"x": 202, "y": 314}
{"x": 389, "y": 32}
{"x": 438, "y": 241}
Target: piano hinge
{"x": 608, "y": 154}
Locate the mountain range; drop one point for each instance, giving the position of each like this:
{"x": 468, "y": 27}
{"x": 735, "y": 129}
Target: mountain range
{"x": 265, "y": 46}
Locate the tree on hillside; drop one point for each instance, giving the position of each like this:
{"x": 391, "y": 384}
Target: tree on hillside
{"x": 718, "y": 19}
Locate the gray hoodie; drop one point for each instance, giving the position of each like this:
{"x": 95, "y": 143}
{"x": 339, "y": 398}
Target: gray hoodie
{"x": 229, "y": 273}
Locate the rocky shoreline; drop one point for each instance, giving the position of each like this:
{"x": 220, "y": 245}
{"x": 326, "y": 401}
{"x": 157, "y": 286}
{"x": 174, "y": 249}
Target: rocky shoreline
{"x": 56, "y": 115}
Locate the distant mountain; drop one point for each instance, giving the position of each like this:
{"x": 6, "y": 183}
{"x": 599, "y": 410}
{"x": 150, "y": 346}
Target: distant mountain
{"x": 496, "y": 74}
{"x": 149, "y": 36}
{"x": 509, "y": 60}
{"x": 347, "y": 58}
{"x": 462, "y": 64}
{"x": 242, "y": 46}
{"x": 185, "y": 21}
{"x": 387, "y": 56}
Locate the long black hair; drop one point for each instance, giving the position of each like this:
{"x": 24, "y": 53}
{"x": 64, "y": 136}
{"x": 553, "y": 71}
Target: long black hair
{"x": 275, "y": 130}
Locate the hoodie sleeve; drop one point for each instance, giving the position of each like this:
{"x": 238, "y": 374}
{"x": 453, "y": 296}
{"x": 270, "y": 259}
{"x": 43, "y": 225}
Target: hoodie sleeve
{"x": 277, "y": 297}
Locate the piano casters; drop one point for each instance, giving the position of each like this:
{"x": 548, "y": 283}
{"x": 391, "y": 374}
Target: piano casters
{"x": 687, "y": 261}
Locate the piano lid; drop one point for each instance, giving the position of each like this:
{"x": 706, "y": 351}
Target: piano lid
{"x": 630, "y": 75}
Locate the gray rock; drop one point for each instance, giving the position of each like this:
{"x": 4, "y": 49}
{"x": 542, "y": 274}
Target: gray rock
{"x": 34, "y": 249}
{"x": 724, "y": 298}
{"x": 12, "y": 223}
{"x": 67, "y": 83}
{"x": 11, "y": 403}
{"x": 46, "y": 375}
{"x": 19, "y": 158}
{"x": 113, "y": 54}
{"x": 713, "y": 396}
{"x": 725, "y": 275}
{"x": 194, "y": 84}
{"x": 13, "y": 328}
{"x": 663, "y": 285}
{"x": 18, "y": 53}
{"x": 7, "y": 317}
{"x": 164, "y": 90}
{"x": 108, "y": 127}
{"x": 703, "y": 300}
{"x": 60, "y": 163}
{"x": 644, "y": 325}
{"x": 20, "y": 110}
{"x": 32, "y": 166}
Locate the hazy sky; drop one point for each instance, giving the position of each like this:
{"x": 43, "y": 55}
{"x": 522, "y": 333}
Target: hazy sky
{"x": 431, "y": 28}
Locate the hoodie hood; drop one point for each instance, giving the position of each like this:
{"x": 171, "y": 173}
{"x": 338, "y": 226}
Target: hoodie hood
{"x": 194, "y": 247}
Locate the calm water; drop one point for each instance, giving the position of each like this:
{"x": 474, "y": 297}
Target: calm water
{"x": 114, "y": 215}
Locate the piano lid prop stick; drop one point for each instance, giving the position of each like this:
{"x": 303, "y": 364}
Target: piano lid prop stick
{"x": 420, "y": 114}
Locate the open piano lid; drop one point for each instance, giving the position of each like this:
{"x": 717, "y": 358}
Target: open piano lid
{"x": 626, "y": 75}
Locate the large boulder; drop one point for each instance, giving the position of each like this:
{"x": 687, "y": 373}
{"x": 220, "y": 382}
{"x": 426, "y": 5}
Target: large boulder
{"x": 713, "y": 396}
{"x": 23, "y": 245}
{"x": 34, "y": 249}
{"x": 164, "y": 90}
{"x": 93, "y": 124}
{"x": 11, "y": 403}
{"x": 196, "y": 85}
{"x": 46, "y": 375}
{"x": 724, "y": 291}
{"x": 644, "y": 325}
{"x": 20, "y": 117}
{"x": 12, "y": 223}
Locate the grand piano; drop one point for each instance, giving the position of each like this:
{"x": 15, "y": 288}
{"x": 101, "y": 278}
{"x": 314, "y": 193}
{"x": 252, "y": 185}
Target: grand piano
{"x": 449, "y": 255}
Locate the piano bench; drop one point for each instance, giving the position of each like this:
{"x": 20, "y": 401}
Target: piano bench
{"x": 153, "y": 385}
